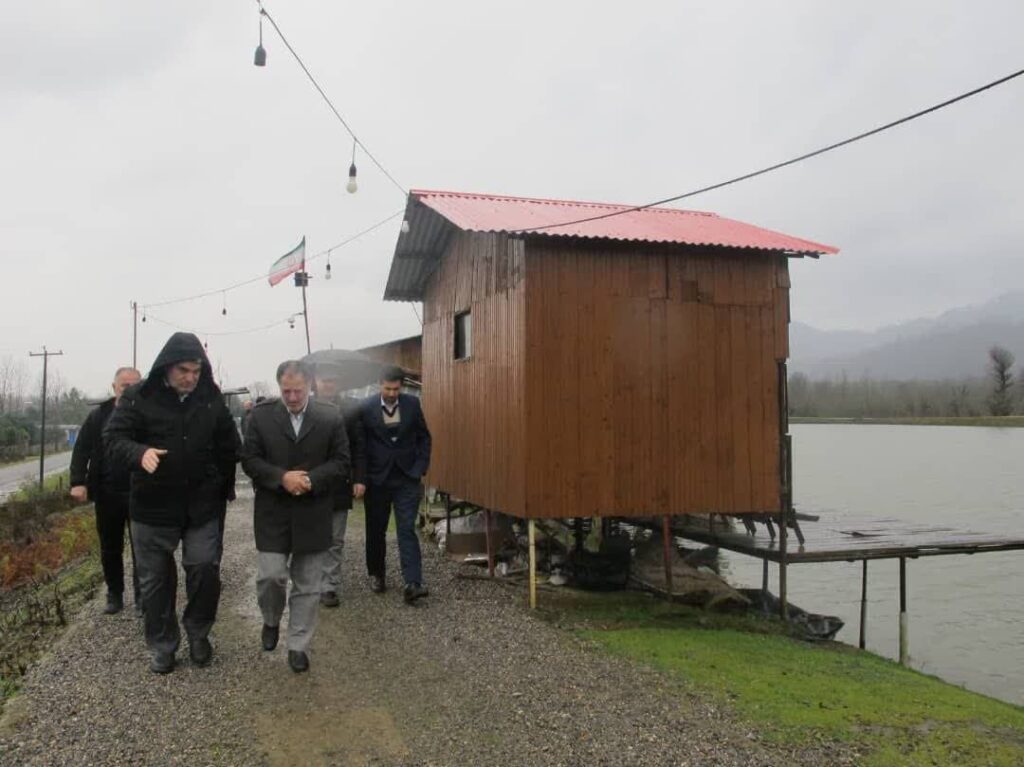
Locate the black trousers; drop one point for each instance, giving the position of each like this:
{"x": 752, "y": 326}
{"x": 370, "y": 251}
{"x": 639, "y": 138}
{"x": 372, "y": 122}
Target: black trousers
{"x": 111, "y": 522}
{"x": 159, "y": 576}
{"x": 403, "y": 494}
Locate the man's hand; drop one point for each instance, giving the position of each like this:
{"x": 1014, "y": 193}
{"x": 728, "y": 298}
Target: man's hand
{"x": 151, "y": 459}
{"x": 80, "y": 494}
{"x": 296, "y": 482}
{"x": 358, "y": 490}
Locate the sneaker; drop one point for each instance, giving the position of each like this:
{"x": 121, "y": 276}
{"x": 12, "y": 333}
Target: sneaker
{"x": 329, "y": 599}
{"x": 201, "y": 651}
{"x": 414, "y": 591}
{"x": 115, "y": 603}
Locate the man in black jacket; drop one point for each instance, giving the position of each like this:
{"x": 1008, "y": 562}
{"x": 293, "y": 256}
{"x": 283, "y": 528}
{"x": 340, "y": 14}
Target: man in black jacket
{"x": 327, "y": 391}
{"x": 174, "y": 433}
{"x": 296, "y": 452}
{"x": 106, "y": 485}
{"x": 397, "y": 457}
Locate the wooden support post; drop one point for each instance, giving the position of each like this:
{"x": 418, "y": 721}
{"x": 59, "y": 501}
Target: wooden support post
{"x": 863, "y": 607}
{"x": 666, "y": 534}
{"x": 490, "y": 543}
{"x": 904, "y": 620}
{"x": 764, "y": 575}
{"x": 532, "y": 534}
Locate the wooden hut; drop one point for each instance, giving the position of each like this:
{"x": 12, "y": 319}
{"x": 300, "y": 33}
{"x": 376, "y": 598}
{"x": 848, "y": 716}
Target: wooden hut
{"x": 632, "y": 364}
{"x": 406, "y": 353}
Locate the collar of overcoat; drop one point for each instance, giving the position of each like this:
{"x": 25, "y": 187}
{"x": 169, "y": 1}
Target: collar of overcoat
{"x": 284, "y": 420}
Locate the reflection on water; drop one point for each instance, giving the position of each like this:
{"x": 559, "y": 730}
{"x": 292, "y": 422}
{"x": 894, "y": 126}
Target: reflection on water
{"x": 966, "y": 611}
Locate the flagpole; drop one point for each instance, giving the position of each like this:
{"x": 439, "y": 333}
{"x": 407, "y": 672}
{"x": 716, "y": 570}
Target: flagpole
{"x": 305, "y": 309}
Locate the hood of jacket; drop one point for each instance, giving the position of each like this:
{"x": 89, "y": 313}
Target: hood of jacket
{"x": 181, "y": 347}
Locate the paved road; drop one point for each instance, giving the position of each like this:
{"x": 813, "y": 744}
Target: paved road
{"x": 12, "y": 477}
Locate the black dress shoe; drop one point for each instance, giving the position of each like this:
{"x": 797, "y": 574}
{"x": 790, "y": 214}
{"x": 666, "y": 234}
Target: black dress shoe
{"x": 414, "y": 591}
{"x": 162, "y": 663}
{"x": 377, "y": 584}
{"x": 299, "y": 661}
{"x": 329, "y": 599}
{"x": 200, "y": 651}
{"x": 115, "y": 603}
{"x": 269, "y": 637}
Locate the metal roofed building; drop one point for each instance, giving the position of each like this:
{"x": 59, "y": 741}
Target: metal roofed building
{"x": 628, "y": 366}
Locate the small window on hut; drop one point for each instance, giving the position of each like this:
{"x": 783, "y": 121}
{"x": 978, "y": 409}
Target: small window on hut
{"x": 463, "y": 336}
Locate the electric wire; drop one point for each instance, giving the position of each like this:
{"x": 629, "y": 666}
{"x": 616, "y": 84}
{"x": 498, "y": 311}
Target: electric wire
{"x": 330, "y": 103}
{"x": 777, "y": 166}
{"x": 209, "y": 333}
{"x": 258, "y": 278}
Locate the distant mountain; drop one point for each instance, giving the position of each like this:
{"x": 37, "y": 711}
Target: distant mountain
{"x": 953, "y": 345}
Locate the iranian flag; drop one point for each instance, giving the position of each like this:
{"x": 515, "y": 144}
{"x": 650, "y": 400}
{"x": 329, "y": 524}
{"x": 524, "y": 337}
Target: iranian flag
{"x": 290, "y": 262}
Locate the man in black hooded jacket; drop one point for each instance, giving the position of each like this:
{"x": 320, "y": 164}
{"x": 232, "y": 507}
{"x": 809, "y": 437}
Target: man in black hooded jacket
{"x": 174, "y": 433}
{"x": 93, "y": 479}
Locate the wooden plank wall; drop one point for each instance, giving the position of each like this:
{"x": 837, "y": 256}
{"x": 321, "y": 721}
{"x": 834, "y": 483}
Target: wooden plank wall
{"x": 407, "y": 353}
{"x": 474, "y": 407}
{"x": 651, "y": 379}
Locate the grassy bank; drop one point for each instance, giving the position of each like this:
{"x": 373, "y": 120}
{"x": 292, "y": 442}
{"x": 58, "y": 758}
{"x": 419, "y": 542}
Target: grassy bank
{"x": 1009, "y": 421}
{"x": 794, "y": 692}
{"x": 48, "y": 568}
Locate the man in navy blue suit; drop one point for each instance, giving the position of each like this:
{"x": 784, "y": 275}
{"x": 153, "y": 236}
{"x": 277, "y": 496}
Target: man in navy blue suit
{"x": 397, "y": 457}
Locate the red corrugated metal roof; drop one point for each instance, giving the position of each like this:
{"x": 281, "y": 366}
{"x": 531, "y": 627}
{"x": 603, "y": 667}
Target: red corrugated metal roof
{"x": 493, "y": 213}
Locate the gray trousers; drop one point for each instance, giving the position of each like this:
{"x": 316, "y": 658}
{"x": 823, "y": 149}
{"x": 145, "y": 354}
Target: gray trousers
{"x": 306, "y": 572}
{"x": 158, "y": 581}
{"x": 332, "y": 558}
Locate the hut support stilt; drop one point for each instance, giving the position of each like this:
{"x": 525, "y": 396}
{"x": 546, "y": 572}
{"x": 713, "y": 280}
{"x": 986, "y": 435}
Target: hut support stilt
{"x": 666, "y": 534}
{"x": 532, "y": 536}
{"x": 904, "y": 619}
{"x": 764, "y": 575}
{"x": 863, "y": 606}
{"x": 490, "y": 542}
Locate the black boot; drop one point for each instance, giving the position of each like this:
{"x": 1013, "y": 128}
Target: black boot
{"x": 115, "y": 603}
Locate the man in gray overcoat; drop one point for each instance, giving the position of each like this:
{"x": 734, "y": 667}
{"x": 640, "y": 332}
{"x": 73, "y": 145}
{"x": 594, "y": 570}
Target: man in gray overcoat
{"x": 296, "y": 452}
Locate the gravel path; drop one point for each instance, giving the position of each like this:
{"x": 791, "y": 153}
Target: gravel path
{"x": 468, "y": 678}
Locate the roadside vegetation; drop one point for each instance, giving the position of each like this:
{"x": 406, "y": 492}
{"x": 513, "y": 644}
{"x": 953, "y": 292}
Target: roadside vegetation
{"x": 1003, "y": 422}
{"x": 793, "y": 692}
{"x": 997, "y": 394}
{"x": 48, "y": 568}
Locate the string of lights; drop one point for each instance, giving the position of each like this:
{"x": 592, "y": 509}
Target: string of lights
{"x": 260, "y": 277}
{"x": 260, "y": 60}
{"x": 290, "y": 319}
{"x": 779, "y": 165}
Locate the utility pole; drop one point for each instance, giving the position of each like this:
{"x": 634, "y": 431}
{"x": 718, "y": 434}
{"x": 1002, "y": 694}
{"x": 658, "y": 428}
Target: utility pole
{"x": 135, "y": 334}
{"x": 42, "y": 428}
{"x": 301, "y": 281}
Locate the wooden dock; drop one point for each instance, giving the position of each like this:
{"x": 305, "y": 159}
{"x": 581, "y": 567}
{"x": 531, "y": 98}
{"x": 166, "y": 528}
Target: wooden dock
{"x": 845, "y": 538}
{"x": 848, "y": 538}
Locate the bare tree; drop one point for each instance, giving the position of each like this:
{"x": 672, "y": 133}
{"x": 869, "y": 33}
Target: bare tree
{"x": 13, "y": 379}
{"x": 959, "y": 400}
{"x": 1001, "y": 398}
{"x": 259, "y": 389}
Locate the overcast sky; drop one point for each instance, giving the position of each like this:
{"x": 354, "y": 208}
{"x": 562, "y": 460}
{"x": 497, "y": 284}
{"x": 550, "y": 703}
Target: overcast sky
{"x": 143, "y": 156}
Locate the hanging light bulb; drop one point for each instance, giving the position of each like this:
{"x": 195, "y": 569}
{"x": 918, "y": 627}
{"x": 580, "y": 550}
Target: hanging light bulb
{"x": 291, "y": 322}
{"x": 352, "y": 186}
{"x": 405, "y": 226}
{"x": 143, "y": 315}
{"x": 224, "y": 305}
{"x": 260, "y": 59}
{"x": 327, "y": 276}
